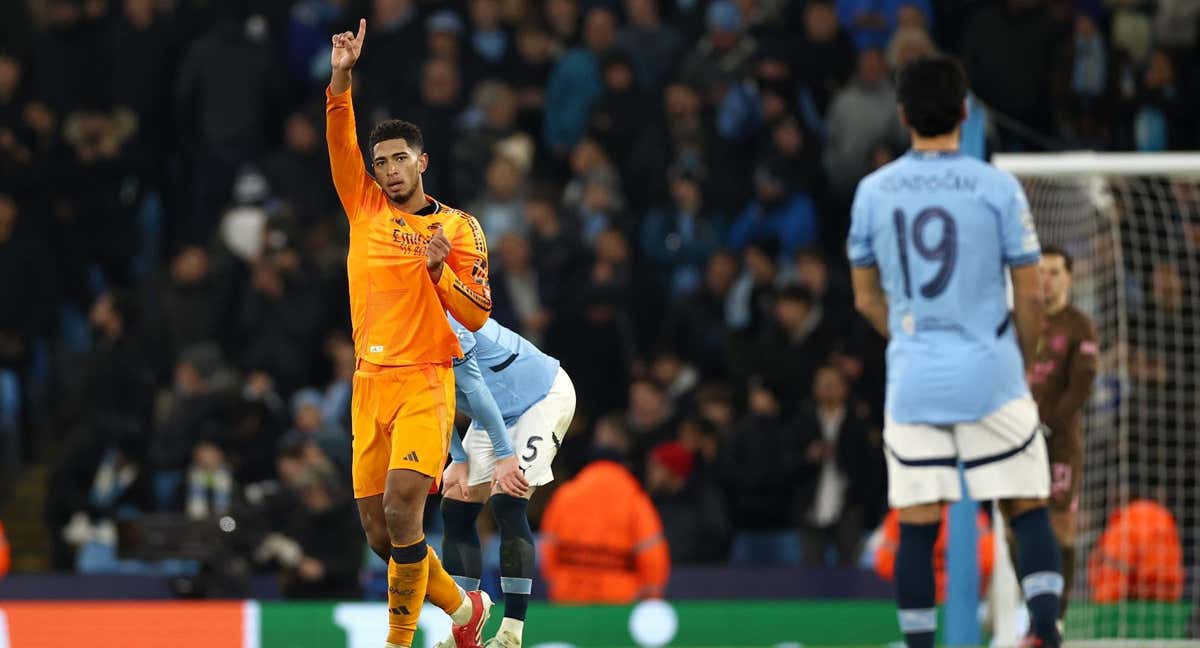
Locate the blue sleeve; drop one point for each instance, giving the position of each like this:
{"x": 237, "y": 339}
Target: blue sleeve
{"x": 458, "y": 454}
{"x": 466, "y": 338}
{"x": 858, "y": 244}
{"x": 801, "y": 224}
{"x": 1017, "y": 232}
{"x": 469, "y": 384}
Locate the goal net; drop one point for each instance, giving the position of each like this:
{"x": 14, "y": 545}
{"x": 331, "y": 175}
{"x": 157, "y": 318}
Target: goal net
{"x": 1132, "y": 224}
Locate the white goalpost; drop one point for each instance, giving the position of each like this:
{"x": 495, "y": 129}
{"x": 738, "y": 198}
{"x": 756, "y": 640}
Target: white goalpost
{"x": 1132, "y": 224}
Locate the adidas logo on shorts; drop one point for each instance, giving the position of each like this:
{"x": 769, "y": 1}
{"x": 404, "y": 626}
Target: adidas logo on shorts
{"x": 412, "y": 456}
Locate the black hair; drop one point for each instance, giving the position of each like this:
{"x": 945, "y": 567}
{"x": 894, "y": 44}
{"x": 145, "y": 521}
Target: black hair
{"x": 397, "y": 129}
{"x": 1054, "y": 250}
{"x": 931, "y": 90}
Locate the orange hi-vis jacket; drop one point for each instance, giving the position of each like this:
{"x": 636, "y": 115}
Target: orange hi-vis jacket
{"x": 1138, "y": 557}
{"x": 885, "y": 555}
{"x": 602, "y": 539}
{"x": 5, "y": 554}
{"x": 398, "y": 313}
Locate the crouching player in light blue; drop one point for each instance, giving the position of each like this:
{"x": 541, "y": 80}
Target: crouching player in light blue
{"x": 520, "y": 402}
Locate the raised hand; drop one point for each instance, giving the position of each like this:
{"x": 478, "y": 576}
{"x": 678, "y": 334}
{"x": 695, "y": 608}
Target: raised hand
{"x": 436, "y": 253}
{"x": 347, "y": 47}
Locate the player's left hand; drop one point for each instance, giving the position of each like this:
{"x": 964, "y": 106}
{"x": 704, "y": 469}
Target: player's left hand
{"x": 509, "y": 477}
{"x": 436, "y": 253}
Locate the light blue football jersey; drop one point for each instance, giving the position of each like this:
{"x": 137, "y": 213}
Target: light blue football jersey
{"x": 517, "y": 373}
{"x": 942, "y": 227}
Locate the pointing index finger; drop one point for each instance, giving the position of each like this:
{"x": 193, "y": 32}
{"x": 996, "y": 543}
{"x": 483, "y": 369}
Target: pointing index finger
{"x": 362, "y": 31}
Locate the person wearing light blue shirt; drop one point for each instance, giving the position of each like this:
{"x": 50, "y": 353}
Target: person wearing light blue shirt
{"x": 934, "y": 238}
{"x": 520, "y": 402}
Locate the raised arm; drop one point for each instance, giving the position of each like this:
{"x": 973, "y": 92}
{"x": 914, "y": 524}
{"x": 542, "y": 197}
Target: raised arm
{"x": 464, "y": 290}
{"x": 345, "y": 158}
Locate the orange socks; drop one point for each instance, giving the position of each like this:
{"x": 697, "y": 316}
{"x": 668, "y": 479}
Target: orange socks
{"x": 442, "y": 590}
{"x": 408, "y": 577}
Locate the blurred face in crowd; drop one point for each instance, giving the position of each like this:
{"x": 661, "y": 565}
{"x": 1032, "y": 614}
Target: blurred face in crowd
{"x": 300, "y": 134}
{"x": 390, "y": 11}
{"x": 871, "y": 68}
{"x": 763, "y": 402}
{"x": 1161, "y": 71}
{"x": 140, "y": 13}
{"x": 667, "y": 368}
{"x": 791, "y": 313}
{"x": 586, "y": 156}
{"x": 599, "y": 30}
{"x": 104, "y": 318}
{"x": 190, "y": 266}
{"x": 485, "y": 14}
{"x": 787, "y": 137}
{"x": 910, "y": 16}
{"x": 694, "y": 438}
{"x": 719, "y": 412}
{"x": 444, "y": 44}
{"x": 8, "y": 218}
{"x": 643, "y": 13}
{"x": 542, "y": 217}
{"x": 503, "y": 178}
{"x": 909, "y": 46}
{"x": 829, "y": 387}
{"x": 812, "y": 273}
{"x": 820, "y": 22}
{"x": 681, "y": 101}
{"x": 660, "y": 479}
{"x": 439, "y": 83}
{"x": 10, "y": 75}
{"x": 499, "y": 103}
{"x": 611, "y": 247}
{"x": 721, "y": 272}
{"x": 514, "y": 253}
{"x": 562, "y": 16}
{"x": 761, "y": 266}
{"x": 1167, "y": 286}
{"x": 618, "y": 77}
{"x": 611, "y": 434}
{"x": 188, "y": 381}
{"x": 533, "y": 45}
{"x": 597, "y": 196}
{"x": 647, "y": 405}
{"x": 1056, "y": 281}
{"x": 515, "y": 12}
{"x": 308, "y": 417}
{"x": 686, "y": 193}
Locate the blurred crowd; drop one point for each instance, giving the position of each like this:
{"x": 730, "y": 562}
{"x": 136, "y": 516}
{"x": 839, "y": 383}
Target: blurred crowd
{"x": 664, "y": 186}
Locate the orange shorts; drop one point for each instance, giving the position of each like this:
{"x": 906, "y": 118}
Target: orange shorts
{"x": 402, "y": 418}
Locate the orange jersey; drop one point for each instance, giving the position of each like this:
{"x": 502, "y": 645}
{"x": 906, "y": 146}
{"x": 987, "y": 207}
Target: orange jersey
{"x": 398, "y": 313}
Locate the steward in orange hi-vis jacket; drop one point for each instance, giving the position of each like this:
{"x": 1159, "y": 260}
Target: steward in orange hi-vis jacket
{"x": 1138, "y": 556}
{"x": 602, "y": 539}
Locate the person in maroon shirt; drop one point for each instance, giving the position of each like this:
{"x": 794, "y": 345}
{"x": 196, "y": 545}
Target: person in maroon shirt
{"x": 1061, "y": 381}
